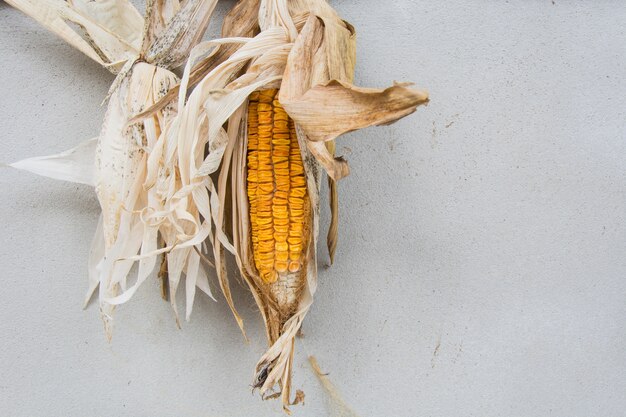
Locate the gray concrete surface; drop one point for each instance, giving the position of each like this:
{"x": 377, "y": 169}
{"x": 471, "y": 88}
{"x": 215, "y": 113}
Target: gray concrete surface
{"x": 482, "y": 262}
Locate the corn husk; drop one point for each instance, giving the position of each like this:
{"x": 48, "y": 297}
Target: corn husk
{"x": 132, "y": 167}
{"x": 307, "y": 51}
{"x": 111, "y": 29}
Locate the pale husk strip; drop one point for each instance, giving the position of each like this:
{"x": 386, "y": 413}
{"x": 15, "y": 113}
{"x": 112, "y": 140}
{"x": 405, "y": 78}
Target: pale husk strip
{"x": 73, "y": 165}
{"x": 158, "y": 14}
{"x": 118, "y": 17}
{"x": 113, "y": 27}
{"x": 171, "y": 48}
{"x": 333, "y": 200}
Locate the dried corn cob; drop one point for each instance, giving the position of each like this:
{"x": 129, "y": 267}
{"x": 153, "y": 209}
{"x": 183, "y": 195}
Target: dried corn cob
{"x": 276, "y": 188}
{"x": 269, "y": 115}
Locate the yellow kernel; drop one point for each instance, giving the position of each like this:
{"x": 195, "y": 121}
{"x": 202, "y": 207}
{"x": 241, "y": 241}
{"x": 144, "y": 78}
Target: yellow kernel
{"x": 294, "y": 266}
{"x": 277, "y": 188}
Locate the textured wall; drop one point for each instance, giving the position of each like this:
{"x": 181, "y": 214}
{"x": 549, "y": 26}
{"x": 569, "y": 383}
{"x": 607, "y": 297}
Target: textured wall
{"x": 482, "y": 262}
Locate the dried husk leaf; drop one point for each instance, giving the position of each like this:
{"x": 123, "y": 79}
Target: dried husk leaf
{"x": 112, "y": 27}
{"x": 329, "y": 110}
{"x": 118, "y": 17}
{"x": 241, "y": 21}
{"x": 333, "y": 200}
{"x": 73, "y": 165}
{"x": 172, "y": 46}
{"x": 158, "y": 14}
{"x": 169, "y": 47}
{"x": 137, "y": 177}
{"x": 120, "y": 173}
{"x": 326, "y": 108}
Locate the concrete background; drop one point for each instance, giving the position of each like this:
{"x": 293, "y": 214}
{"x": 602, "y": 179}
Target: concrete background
{"x": 482, "y": 262}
